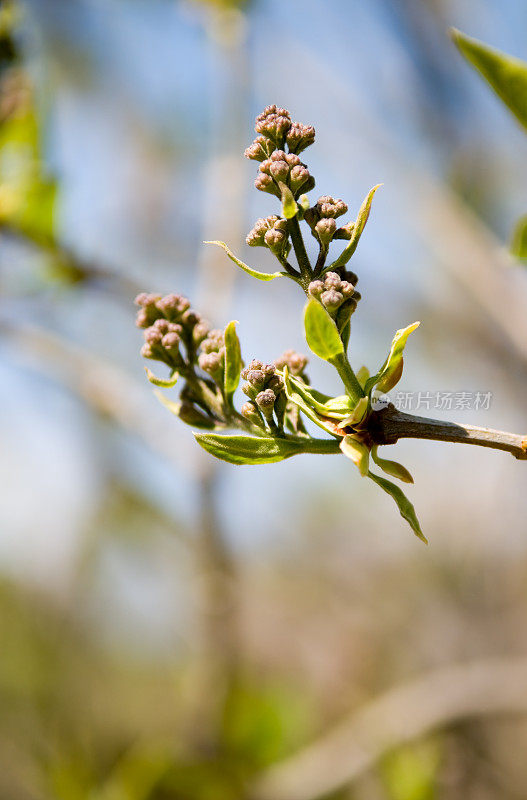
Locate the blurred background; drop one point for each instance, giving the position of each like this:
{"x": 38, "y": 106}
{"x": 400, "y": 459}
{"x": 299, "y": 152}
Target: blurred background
{"x": 173, "y": 628}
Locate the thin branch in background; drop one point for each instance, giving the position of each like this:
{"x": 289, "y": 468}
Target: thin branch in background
{"x": 404, "y": 714}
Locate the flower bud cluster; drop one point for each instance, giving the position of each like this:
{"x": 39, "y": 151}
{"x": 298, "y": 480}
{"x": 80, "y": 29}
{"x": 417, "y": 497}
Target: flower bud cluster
{"x": 263, "y": 386}
{"x": 270, "y": 232}
{"x": 336, "y": 294}
{"x": 321, "y": 219}
{"x": 212, "y": 356}
{"x": 167, "y": 322}
{"x": 295, "y": 362}
{"x": 282, "y": 167}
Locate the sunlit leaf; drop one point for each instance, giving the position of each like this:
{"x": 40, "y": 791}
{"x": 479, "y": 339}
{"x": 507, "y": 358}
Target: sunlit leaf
{"x": 362, "y": 376}
{"x": 289, "y": 206}
{"x": 260, "y": 450}
{"x": 519, "y": 238}
{"x": 357, "y": 451}
{"x": 167, "y": 383}
{"x": 357, "y": 414}
{"x": 303, "y": 403}
{"x": 233, "y": 361}
{"x": 406, "y": 508}
{"x": 392, "y": 468}
{"x": 262, "y": 276}
{"x": 506, "y": 74}
{"x": 322, "y": 335}
{"x": 358, "y": 228}
{"x": 391, "y": 371}
{"x": 335, "y": 407}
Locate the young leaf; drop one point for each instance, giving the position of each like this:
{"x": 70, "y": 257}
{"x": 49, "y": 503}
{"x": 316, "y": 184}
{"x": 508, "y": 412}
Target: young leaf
{"x": 289, "y": 206}
{"x": 358, "y": 452}
{"x": 260, "y": 450}
{"x": 336, "y": 407}
{"x": 519, "y": 238}
{"x": 322, "y": 335}
{"x": 507, "y": 75}
{"x": 233, "y": 361}
{"x": 362, "y": 376}
{"x": 357, "y": 414}
{"x": 358, "y": 227}
{"x": 262, "y": 276}
{"x": 303, "y": 404}
{"x": 163, "y": 384}
{"x": 406, "y": 508}
{"x": 391, "y": 371}
{"x": 392, "y": 468}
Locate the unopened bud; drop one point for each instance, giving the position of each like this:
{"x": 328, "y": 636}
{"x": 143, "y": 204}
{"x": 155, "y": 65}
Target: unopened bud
{"x": 330, "y": 208}
{"x": 250, "y": 411}
{"x": 255, "y": 237}
{"x": 275, "y": 240}
{"x": 325, "y": 229}
{"x": 279, "y": 170}
{"x": 295, "y": 362}
{"x": 260, "y": 149}
{"x": 299, "y": 137}
{"x": 265, "y": 400}
{"x": 264, "y": 183}
{"x": 170, "y": 342}
{"x": 315, "y": 288}
{"x": 331, "y": 299}
{"x": 332, "y": 280}
{"x": 212, "y": 363}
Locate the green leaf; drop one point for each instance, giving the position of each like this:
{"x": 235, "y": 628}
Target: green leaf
{"x": 391, "y": 371}
{"x": 357, "y": 451}
{"x": 260, "y": 450}
{"x": 362, "y": 376}
{"x": 297, "y": 398}
{"x": 233, "y": 361}
{"x": 163, "y": 384}
{"x": 322, "y": 335}
{"x": 289, "y": 206}
{"x": 360, "y": 224}
{"x": 392, "y": 468}
{"x": 406, "y": 508}
{"x": 506, "y": 74}
{"x": 335, "y": 407}
{"x": 262, "y": 276}
{"x": 519, "y": 238}
{"x": 303, "y": 202}
{"x": 357, "y": 414}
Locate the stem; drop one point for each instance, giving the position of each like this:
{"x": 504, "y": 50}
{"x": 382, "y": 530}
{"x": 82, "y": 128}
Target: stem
{"x": 348, "y": 377}
{"x": 320, "y": 446}
{"x": 300, "y": 250}
{"x": 389, "y": 425}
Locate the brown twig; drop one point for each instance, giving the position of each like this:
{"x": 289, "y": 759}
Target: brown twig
{"x": 389, "y": 425}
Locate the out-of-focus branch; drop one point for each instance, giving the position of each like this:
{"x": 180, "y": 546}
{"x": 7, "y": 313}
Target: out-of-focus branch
{"x": 401, "y": 715}
{"x": 77, "y": 270}
{"x": 104, "y": 387}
